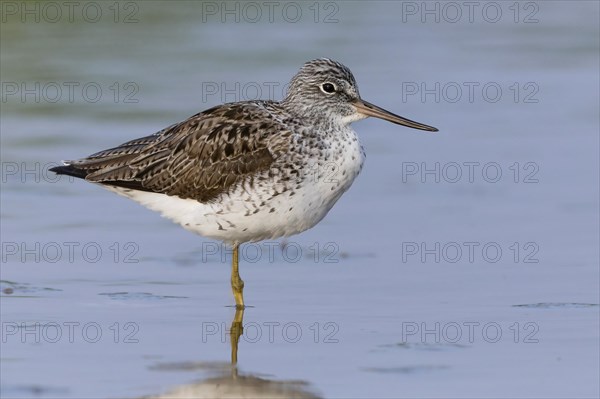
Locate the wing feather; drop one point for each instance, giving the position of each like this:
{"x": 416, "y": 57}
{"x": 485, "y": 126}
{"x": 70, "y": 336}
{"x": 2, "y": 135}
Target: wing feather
{"x": 200, "y": 158}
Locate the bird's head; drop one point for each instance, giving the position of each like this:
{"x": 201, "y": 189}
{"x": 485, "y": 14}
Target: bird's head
{"x": 327, "y": 89}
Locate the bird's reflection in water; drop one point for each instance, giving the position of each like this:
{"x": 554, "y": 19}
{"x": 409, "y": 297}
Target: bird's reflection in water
{"x": 230, "y": 383}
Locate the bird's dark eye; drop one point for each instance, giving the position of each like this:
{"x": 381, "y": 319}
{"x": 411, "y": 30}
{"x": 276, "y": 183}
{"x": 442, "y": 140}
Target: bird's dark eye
{"x": 328, "y": 87}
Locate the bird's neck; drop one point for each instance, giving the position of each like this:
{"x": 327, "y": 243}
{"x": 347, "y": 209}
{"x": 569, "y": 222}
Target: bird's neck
{"x": 314, "y": 115}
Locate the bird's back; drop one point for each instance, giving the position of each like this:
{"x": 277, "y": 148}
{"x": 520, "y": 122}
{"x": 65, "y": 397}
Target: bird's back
{"x": 199, "y": 158}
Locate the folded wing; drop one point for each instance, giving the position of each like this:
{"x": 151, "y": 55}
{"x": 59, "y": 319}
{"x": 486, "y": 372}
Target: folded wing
{"x": 200, "y": 158}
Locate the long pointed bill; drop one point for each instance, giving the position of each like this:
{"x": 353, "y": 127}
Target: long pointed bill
{"x": 366, "y": 108}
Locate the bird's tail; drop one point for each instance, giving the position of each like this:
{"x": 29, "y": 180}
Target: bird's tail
{"x": 70, "y": 170}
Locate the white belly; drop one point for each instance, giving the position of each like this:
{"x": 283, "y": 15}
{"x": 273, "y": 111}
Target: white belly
{"x": 241, "y": 216}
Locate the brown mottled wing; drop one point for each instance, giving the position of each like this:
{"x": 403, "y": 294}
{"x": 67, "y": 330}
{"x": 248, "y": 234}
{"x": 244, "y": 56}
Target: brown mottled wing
{"x": 199, "y": 158}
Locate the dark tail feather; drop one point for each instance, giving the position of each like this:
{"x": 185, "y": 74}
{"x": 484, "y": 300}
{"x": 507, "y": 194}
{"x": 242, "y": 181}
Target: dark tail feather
{"x": 69, "y": 170}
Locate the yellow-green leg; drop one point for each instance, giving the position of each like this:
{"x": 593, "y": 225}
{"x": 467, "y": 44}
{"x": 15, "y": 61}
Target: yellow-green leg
{"x": 236, "y": 331}
{"x": 237, "y": 285}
